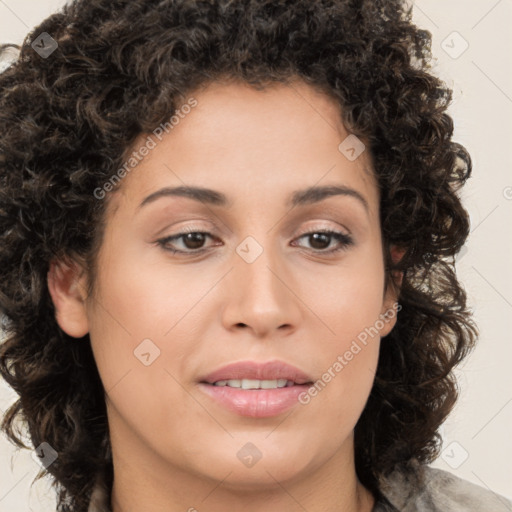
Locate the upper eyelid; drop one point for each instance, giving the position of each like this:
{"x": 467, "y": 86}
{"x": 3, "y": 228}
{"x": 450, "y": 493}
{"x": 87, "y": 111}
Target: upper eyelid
{"x": 211, "y": 232}
{"x": 216, "y": 228}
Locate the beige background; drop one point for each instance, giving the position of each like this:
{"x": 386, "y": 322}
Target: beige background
{"x": 477, "y": 440}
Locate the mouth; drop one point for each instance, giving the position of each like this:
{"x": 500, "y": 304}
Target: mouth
{"x": 256, "y": 375}
{"x": 257, "y": 390}
{"x": 256, "y": 384}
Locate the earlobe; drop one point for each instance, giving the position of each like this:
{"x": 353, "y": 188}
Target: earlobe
{"x": 390, "y": 306}
{"x": 68, "y": 293}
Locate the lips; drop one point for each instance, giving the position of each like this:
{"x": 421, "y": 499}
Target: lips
{"x": 252, "y": 370}
{"x": 256, "y": 390}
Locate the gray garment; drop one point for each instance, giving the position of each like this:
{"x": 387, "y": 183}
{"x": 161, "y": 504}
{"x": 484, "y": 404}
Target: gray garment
{"x": 426, "y": 489}
{"x": 439, "y": 491}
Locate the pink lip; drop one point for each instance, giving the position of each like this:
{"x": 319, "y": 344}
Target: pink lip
{"x": 270, "y": 370}
{"x": 256, "y": 403}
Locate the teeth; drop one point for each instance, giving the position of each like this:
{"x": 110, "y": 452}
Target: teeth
{"x": 255, "y": 384}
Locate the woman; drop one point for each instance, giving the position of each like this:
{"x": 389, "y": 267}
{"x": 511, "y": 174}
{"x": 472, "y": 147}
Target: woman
{"x": 228, "y": 232}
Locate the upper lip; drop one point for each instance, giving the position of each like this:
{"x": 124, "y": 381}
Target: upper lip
{"x": 270, "y": 370}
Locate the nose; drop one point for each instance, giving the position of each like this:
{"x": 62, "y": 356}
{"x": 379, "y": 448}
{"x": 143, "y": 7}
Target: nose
{"x": 262, "y": 295}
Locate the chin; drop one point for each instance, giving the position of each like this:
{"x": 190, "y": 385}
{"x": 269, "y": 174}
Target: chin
{"x": 253, "y": 465}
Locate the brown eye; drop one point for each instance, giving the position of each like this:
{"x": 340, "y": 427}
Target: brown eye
{"x": 191, "y": 242}
{"x": 320, "y": 240}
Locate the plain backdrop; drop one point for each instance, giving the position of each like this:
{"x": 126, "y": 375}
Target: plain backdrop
{"x": 472, "y": 43}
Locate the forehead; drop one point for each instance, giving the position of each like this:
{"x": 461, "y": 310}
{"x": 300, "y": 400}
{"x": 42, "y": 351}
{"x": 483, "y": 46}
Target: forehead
{"x": 249, "y": 141}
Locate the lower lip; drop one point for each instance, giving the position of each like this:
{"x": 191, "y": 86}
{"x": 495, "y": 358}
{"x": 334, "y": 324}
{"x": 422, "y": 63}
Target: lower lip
{"x": 255, "y": 403}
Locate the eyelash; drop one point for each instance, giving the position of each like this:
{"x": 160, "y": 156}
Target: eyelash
{"x": 344, "y": 239}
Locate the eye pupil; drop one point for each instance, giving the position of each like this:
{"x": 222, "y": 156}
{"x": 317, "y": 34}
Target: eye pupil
{"x": 324, "y": 238}
{"x": 197, "y": 240}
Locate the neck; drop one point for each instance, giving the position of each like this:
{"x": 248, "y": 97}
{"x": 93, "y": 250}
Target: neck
{"x": 128, "y": 496}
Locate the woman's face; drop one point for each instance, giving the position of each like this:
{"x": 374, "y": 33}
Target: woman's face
{"x": 256, "y": 288}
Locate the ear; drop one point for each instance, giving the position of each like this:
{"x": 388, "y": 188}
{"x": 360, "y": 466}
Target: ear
{"x": 390, "y": 306}
{"x": 67, "y": 287}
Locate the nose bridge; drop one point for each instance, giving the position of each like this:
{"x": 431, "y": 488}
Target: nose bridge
{"x": 259, "y": 276}
{"x": 261, "y": 297}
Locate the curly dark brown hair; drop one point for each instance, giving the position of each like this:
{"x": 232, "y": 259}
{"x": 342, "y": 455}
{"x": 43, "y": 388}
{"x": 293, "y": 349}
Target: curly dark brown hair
{"x": 68, "y": 121}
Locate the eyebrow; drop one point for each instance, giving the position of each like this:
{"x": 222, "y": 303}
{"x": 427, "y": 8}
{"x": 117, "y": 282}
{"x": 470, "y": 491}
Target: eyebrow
{"x": 303, "y": 197}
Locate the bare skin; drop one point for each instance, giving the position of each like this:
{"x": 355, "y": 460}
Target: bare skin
{"x": 174, "y": 447}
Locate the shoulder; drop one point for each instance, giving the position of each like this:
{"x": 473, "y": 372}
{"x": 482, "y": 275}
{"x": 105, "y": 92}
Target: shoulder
{"x": 422, "y": 488}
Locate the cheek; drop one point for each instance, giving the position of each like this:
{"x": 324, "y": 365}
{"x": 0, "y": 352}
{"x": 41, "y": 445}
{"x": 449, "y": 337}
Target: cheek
{"x": 146, "y": 298}
{"x": 348, "y": 340}
{"x": 348, "y": 299}
{"x": 144, "y": 313}
{"x": 140, "y": 366}
{"x": 346, "y": 364}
